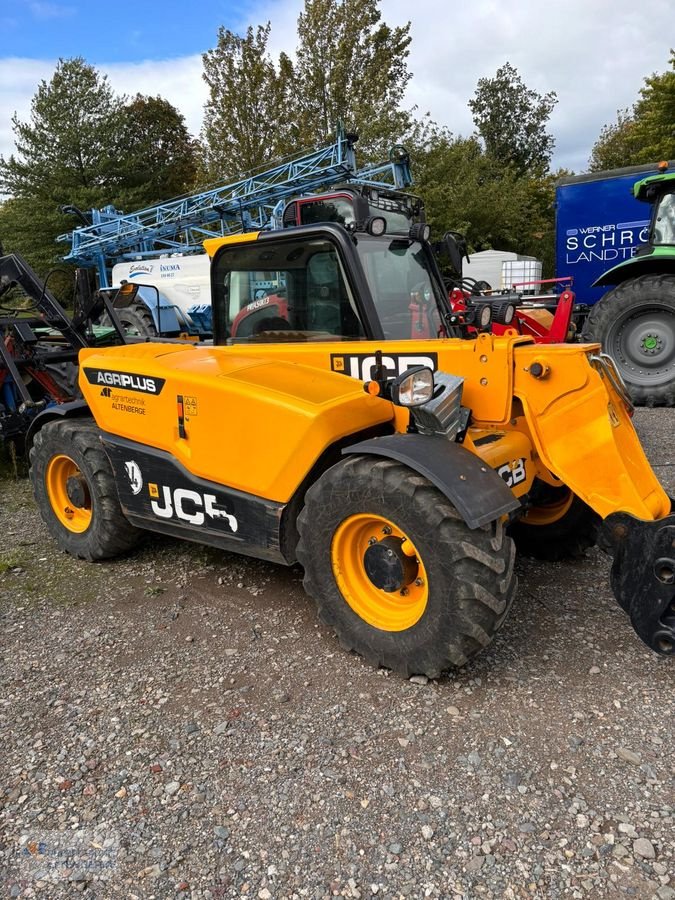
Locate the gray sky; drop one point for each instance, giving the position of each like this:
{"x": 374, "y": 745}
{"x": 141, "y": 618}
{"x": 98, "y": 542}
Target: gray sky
{"x": 594, "y": 54}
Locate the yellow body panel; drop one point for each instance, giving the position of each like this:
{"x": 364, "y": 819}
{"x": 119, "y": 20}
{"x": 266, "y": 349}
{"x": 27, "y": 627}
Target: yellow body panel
{"x": 582, "y": 432}
{"x": 213, "y": 244}
{"x": 258, "y": 415}
{"x": 257, "y": 425}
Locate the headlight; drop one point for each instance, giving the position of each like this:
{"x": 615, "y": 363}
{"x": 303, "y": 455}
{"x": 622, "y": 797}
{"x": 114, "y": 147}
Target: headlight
{"x": 444, "y": 414}
{"x": 377, "y": 226}
{"x": 414, "y": 388}
{"x": 484, "y": 316}
{"x": 419, "y": 231}
{"x": 503, "y": 313}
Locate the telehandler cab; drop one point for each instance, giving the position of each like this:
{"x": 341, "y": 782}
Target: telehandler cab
{"x": 398, "y": 500}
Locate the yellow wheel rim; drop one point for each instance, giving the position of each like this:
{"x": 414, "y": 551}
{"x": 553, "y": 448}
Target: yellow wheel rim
{"x": 550, "y": 512}
{"x": 59, "y": 470}
{"x": 387, "y": 610}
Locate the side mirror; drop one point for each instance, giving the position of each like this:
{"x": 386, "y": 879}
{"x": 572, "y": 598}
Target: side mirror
{"x": 454, "y": 246}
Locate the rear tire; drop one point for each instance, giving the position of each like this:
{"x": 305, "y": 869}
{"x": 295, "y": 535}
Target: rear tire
{"x": 635, "y": 323}
{"x": 562, "y": 526}
{"x": 136, "y": 321}
{"x": 75, "y": 490}
{"x": 467, "y": 578}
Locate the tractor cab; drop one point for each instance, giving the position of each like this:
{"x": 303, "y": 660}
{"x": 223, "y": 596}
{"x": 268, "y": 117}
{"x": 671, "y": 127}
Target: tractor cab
{"x": 333, "y": 281}
{"x": 659, "y": 190}
{"x": 350, "y": 204}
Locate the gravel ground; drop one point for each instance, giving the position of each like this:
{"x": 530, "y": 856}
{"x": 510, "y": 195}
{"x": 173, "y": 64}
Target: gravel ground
{"x": 178, "y": 724}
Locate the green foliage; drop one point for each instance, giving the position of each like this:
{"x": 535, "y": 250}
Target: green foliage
{"x": 86, "y": 147}
{"x": 29, "y": 226}
{"x": 646, "y": 133}
{"x": 351, "y": 67}
{"x": 156, "y": 156}
{"x": 617, "y": 146}
{"x": 63, "y": 156}
{"x": 248, "y": 118}
{"x": 466, "y": 189}
{"x": 511, "y": 119}
{"x": 64, "y": 150}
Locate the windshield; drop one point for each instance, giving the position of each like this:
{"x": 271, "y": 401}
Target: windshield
{"x": 664, "y": 220}
{"x": 404, "y": 291}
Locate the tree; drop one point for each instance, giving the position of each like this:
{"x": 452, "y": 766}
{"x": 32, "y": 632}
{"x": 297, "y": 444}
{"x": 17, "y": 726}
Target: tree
{"x": 63, "y": 156}
{"x": 511, "y": 119}
{"x": 352, "y": 67}
{"x": 30, "y": 229}
{"x": 467, "y": 190}
{"x": 617, "y": 145}
{"x": 655, "y": 115}
{"x": 644, "y": 134}
{"x": 64, "y": 150}
{"x": 157, "y": 157}
{"x": 248, "y": 119}
{"x": 87, "y": 147}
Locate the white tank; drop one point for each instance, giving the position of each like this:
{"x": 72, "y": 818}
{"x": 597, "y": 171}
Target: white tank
{"x": 183, "y": 281}
{"x": 487, "y": 266}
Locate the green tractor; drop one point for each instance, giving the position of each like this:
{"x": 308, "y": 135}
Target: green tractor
{"x": 635, "y": 322}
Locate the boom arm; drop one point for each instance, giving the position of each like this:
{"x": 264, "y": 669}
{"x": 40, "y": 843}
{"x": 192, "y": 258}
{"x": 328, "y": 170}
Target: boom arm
{"x": 181, "y": 225}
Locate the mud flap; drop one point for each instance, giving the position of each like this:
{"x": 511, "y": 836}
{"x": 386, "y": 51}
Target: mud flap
{"x": 643, "y": 575}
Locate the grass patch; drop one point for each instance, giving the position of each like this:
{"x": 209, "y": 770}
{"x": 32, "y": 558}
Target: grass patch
{"x": 12, "y": 465}
{"x": 10, "y": 559}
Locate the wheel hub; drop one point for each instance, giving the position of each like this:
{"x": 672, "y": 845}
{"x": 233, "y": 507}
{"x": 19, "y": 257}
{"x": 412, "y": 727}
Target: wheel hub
{"x": 379, "y": 572}
{"x": 651, "y": 344}
{"x": 68, "y": 493}
{"x": 388, "y": 567}
{"x": 77, "y": 491}
{"x": 643, "y": 344}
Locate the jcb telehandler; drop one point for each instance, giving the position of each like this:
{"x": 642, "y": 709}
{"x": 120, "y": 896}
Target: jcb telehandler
{"x": 397, "y": 499}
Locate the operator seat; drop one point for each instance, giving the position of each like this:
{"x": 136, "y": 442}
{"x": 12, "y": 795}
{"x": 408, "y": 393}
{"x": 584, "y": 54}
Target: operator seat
{"x": 328, "y": 306}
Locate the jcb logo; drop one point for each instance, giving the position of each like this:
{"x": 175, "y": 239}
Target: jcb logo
{"x": 513, "y": 472}
{"x": 361, "y": 365}
{"x": 188, "y": 505}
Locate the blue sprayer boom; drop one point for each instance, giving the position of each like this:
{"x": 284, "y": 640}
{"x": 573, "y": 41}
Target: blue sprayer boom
{"x": 182, "y": 224}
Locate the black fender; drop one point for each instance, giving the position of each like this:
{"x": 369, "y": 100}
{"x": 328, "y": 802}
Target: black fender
{"x": 58, "y": 411}
{"x": 477, "y": 492}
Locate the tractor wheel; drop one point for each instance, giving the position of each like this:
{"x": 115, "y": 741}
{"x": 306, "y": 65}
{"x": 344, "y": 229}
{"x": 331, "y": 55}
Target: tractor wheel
{"x": 559, "y": 526}
{"x": 75, "y": 491}
{"x": 635, "y": 323}
{"x": 137, "y": 321}
{"x": 397, "y": 573}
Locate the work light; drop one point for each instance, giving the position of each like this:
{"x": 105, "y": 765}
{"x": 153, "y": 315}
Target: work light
{"x": 414, "y": 388}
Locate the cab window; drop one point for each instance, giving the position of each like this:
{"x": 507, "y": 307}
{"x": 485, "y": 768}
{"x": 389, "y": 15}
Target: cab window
{"x": 664, "y": 224}
{"x": 281, "y": 291}
{"x": 399, "y": 276}
{"x": 335, "y": 209}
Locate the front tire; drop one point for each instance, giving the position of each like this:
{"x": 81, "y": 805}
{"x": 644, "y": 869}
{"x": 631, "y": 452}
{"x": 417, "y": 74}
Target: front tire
{"x": 75, "y": 490}
{"x": 635, "y": 323}
{"x": 397, "y": 573}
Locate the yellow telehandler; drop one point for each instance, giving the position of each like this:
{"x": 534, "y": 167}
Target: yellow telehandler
{"x": 399, "y": 472}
